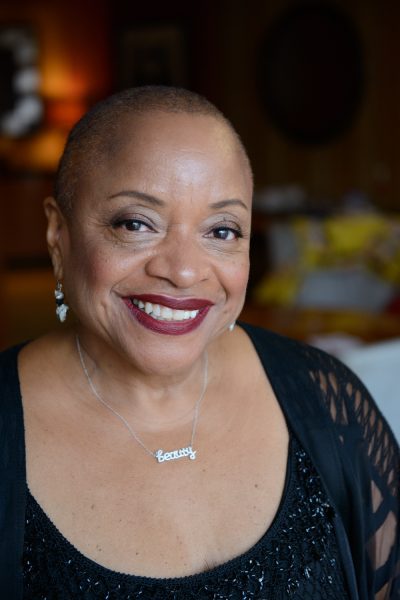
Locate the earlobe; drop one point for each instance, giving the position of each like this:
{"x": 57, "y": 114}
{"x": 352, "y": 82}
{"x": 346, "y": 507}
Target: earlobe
{"x": 55, "y": 224}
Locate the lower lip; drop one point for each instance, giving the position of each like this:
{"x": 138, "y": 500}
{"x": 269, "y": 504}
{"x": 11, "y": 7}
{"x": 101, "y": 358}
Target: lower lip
{"x": 166, "y": 327}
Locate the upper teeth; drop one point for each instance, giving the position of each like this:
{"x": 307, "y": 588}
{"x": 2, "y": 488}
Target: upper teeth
{"x": 164, "y": 313}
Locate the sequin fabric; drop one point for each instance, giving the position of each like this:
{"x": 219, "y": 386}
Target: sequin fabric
{"x": 296, "y": 559}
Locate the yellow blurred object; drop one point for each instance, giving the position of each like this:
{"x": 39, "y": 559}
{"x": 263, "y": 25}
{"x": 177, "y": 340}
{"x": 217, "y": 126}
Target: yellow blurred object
{"x": 349, "y": 235}
{"x": 365, "y": 241}
{"x": 370, "y": 240}
{"x": 391, "y": 270}
{"x": 280, "y": 289}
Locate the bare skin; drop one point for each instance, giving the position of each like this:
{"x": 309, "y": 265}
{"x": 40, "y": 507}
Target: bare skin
{"x": 108, "y": 497}
{"x": 133, "y": 515}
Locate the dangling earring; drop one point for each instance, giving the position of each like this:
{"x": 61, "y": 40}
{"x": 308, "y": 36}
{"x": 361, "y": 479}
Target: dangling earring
{"x": 232, "y": 326}
{"x": 61, "y": 308}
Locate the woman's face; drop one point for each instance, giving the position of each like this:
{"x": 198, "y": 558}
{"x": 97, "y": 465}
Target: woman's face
{"x": 156, "y": 253}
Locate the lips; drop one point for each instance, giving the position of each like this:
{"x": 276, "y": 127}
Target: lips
{"x": 167, "y": 315}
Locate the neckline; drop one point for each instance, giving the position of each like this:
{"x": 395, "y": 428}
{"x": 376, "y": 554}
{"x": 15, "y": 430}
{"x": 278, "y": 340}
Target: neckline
{"x": 196, "y": 578}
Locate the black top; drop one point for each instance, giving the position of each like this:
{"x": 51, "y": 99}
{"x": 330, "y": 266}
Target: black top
{"x": 297, "y": 557}
{"x": 337, "y": 423}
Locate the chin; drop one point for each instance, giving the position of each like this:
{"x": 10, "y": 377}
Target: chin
{"x": 164, "y": 359}
{"x": 154, "y": 347}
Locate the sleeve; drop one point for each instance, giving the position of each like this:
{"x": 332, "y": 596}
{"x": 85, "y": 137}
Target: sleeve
{"x": 362, "y": 430}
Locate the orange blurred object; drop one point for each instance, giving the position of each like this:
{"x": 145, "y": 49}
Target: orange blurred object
{"x": 40, "y": 152}
{"x": 64, "y": 112}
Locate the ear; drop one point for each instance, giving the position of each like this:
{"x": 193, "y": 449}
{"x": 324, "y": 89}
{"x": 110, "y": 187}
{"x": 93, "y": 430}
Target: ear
{"x": 56, "y": 224}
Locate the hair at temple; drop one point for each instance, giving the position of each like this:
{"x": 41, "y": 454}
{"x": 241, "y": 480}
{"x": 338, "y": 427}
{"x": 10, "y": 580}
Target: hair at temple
{"x": 94, "y": 136}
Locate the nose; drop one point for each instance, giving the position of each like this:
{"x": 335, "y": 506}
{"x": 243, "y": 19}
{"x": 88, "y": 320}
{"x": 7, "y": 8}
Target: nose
{"x": 180, "y": 260}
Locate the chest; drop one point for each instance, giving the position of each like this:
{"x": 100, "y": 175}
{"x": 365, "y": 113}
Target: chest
{"x": 121, "y": 508}
{"x": 301, "y": 536}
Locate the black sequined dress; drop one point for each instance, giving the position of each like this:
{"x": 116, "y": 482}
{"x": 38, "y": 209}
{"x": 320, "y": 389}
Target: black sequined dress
{"x": 297, "y": 558}
{"x": 339, "y": 427}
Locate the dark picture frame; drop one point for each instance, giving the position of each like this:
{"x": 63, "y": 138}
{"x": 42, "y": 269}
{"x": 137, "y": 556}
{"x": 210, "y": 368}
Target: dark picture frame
{"x": 311, "y": 72}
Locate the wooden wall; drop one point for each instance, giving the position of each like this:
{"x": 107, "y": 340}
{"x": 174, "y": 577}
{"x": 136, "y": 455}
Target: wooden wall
{"x": 223, "y": 38}
{"x": 367, "y": 157}
{"x": 77, "y": 42}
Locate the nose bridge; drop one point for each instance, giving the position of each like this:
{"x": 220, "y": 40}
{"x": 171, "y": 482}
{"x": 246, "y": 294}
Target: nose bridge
{"x": 179, "y": 259}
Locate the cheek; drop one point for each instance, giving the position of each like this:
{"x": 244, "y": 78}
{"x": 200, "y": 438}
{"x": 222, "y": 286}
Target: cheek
{"x": 92, "y": 267}
{"x": 90, "y": 274}
{"x": 236, "y": 275}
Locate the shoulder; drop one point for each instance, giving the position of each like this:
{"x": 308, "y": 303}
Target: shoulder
{"x": 8, "y": 365}
{"x": 351, "y": 444}
{"x": 267, "y": 341}
{"x": 314, "y": 374}
{"x": 295, "y": 356}
{"x": 289, "y": 355}
{"x": 9, "y": 379}
{"x": 12, "y": 452}
{"x": 12, "y": 471}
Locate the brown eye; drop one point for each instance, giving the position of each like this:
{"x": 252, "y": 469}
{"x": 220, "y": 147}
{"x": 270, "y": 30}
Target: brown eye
{"x": 226, "y": 233}
{"x": 132, "y": 225}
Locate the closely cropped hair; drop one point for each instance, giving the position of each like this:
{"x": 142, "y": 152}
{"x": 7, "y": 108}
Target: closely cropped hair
{"x": 95, "y": 134}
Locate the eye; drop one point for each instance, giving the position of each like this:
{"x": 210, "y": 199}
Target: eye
{"x": 132, "y": 225}
{"x": 226, "y": 233}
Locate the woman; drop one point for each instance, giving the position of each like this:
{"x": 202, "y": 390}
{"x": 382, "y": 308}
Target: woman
{"x": 170, "y": 454}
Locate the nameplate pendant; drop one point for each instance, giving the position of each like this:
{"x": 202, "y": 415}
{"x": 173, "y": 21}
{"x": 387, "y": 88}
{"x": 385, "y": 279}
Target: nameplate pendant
{"x": 162, "y": 456}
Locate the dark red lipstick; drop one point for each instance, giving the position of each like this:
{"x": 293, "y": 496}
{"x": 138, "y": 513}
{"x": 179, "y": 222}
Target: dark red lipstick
{"x": 169, "y": 327}
{"x": 175, "y": 303}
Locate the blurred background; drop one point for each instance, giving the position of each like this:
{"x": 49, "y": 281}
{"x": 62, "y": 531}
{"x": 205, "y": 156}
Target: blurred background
{"x": 313, "y": 89}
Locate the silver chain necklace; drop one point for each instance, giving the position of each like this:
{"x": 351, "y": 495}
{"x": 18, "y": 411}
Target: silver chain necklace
{"x": 159, "y": 455}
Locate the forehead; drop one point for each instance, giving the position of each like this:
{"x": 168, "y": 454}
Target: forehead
{"x": 174, "y": 129}
{"x": 179, "y": 157}
{"x": 188, "y": 147}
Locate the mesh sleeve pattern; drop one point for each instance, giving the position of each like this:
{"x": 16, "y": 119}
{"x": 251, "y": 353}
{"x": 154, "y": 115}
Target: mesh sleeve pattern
{"x": 350, "y": 406}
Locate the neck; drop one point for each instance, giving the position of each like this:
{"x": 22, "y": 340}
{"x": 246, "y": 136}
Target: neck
{"x": 153, "y": 401}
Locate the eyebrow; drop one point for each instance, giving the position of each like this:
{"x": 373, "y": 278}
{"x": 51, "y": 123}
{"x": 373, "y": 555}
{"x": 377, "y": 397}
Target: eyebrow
{"x": 230, "y": 202}
{"x": 157, "y": 202}
{"x": 139, "y": 196}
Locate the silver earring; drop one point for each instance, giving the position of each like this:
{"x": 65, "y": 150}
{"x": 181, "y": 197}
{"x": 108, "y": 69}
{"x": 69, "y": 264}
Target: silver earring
{"x": 232, "y": 326}
{"x": 61, "y": 307}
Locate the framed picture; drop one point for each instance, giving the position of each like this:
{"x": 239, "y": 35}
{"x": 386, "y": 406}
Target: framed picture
{"x": 151, "y": 54}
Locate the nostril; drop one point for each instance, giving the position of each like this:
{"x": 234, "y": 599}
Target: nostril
{"x": 181, "y": 266}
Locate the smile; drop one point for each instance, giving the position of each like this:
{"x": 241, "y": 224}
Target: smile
{"x": 165, "y": 313}
{"x": 168, "y": 315}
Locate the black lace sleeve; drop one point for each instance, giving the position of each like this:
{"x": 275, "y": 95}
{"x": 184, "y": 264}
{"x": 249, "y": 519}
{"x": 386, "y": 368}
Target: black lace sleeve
{"x": 356, "y": 416}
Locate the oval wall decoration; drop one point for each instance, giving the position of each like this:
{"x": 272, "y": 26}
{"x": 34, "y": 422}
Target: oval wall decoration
{"x": 311, "y": 72}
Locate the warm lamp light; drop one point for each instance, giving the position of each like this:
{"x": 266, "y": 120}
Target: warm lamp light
{"x": 59, "y": 79}
{"x": 64, "y": 112}
{"x": 47, "y": 148}
{"x": 41, "y": 152}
